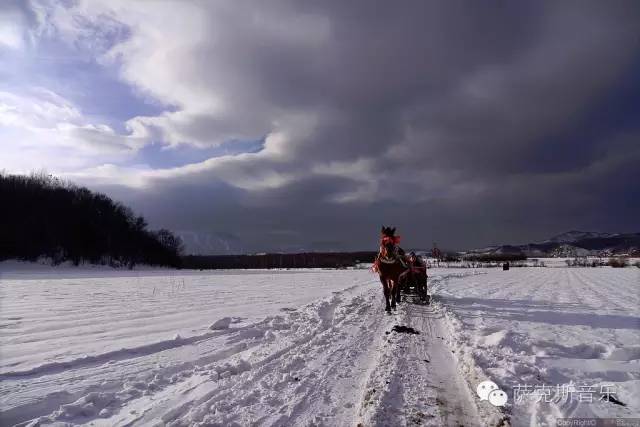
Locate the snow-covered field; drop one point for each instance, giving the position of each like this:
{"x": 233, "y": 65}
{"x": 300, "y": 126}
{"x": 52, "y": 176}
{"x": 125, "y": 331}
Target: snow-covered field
{"x": 558, "y": 340}
{"x": 310, "y": 347}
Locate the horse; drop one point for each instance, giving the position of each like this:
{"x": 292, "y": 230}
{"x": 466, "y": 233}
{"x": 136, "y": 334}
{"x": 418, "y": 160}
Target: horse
{"x": 389, "y": 266}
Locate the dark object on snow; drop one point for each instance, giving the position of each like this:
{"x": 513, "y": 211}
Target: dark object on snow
{"x": 612, "y": 399}
{"x": 405, "y": 330}
{"x": 505, "y": 266}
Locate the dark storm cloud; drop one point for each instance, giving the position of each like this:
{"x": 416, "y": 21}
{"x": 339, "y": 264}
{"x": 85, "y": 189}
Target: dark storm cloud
{"x": 460, "y": 122}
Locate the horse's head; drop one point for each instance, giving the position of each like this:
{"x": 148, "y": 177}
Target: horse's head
{"x": 388, "y": 240}
{"x": 388, "y": 231}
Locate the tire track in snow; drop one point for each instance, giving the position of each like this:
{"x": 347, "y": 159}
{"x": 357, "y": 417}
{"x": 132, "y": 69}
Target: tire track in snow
{"x": 420, "y": 384}
{"x": 318, "y": 365}
{"x": 313, "y": 381}
{"x": 139, "y": 381}
{"x": 209, "y": 381}
{"x": 111, "y": 356}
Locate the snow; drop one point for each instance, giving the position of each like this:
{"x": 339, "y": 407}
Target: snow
{"x": 309, "y": 347}
{"x": 549, "y": 327}
{"x": 223, "y": 323}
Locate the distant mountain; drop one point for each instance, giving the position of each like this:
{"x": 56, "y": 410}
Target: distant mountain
{"x": 565, "y": 251}
{"x": 574, "y": 236}
{"x": 571, "y": 244}
{"x": 207, "y": 243}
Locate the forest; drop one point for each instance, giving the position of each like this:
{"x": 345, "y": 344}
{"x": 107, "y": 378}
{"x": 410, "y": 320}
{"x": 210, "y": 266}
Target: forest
{"x": 44, "y": 216}
{"x": 279, "y": 260}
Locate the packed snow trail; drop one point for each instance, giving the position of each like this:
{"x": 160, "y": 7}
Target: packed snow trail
{"x": 334, "y": 361}
{"x": 417, "y": 382}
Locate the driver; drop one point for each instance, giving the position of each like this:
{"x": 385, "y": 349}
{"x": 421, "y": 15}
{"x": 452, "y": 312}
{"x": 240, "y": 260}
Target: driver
{"x": 415, "y": 267}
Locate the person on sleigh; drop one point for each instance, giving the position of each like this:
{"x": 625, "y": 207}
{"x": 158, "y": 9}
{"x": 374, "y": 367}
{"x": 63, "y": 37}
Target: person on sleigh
{"x": 416, "y": 269}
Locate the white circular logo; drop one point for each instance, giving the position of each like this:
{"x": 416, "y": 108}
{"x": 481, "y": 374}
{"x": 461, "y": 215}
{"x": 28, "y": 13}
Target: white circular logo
{"x": 498, "y": 397}
{"x": 488, "y": 390}
{"x": 484, "y": 388}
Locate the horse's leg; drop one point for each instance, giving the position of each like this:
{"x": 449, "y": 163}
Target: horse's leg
{"x": 385, "y": 290}
{"x": 422, "y": 288}
{"x": 394, "y": 286}
{"x": 426, "y": 293}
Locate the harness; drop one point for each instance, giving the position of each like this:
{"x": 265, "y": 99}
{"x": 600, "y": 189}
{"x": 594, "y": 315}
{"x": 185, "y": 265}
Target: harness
{"x": 419, "y": 269}
{"x": 384, "y": 256}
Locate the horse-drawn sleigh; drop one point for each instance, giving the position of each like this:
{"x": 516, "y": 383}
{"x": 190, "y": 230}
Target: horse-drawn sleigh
{"x": 399, "y": 272}
{"x": 414, "y": 280}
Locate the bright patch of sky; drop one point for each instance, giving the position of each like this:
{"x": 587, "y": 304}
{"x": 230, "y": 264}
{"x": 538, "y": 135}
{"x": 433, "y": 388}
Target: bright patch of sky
{"x": 92, "y": 87}
{"x": 65, "y": 106}
{"x": 160, "y": 156}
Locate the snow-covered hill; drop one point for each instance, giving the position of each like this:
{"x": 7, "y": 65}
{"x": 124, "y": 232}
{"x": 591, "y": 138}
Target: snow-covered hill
{"x": 574, "y": 236}
{"x": 569, "y": 251}
{"x": 572, "y": 243}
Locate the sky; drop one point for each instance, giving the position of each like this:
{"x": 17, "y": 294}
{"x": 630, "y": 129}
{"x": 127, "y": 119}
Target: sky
{"x": 251, "y": 126}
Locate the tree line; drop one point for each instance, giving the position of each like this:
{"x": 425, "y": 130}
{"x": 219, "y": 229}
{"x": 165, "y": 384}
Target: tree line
{"x": 277, "y": 260}
{"x": 44, "y": 216}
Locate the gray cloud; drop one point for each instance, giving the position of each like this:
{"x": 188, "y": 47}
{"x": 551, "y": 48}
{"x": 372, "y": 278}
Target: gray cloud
{"x": 461, "y": 123}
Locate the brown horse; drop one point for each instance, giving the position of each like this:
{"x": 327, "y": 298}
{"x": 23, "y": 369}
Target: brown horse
{"x": 389, "y": 267}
